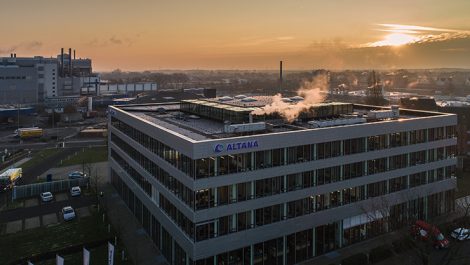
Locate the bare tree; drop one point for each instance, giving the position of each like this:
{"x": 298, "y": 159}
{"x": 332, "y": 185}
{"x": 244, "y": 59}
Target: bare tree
{"x": 463, "y": 207}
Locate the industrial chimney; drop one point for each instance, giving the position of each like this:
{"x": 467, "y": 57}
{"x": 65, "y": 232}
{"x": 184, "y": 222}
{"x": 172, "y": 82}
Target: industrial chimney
{"x": 280, "y": 76}
{"x": 70, "y": 61}
{"x": 61, "y": 61}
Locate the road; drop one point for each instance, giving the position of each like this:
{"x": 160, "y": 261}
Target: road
{"x": 45, "y": 208}
{"x": 36, "y": 146}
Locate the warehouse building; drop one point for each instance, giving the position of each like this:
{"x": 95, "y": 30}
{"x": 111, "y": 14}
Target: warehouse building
{"x": 213, "y": 183}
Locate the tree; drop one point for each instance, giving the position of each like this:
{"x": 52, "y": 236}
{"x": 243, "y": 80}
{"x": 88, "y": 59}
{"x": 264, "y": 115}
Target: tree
{"x": 463, "y": 207}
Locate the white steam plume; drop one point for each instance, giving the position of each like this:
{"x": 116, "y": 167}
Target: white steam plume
{"x": 310, "y": 90}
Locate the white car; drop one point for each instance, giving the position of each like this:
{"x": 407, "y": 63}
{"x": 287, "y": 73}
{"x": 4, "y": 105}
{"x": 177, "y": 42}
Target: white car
{"x": 75, "y": 191}
{"x": 47, "y": 196}
{"x": 68, "y": 213}
{"x": 461, "y": 234}
{"x": 76, "y": 175}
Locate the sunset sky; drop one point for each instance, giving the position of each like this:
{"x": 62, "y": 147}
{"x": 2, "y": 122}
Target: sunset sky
{"x": 243, "y": 34}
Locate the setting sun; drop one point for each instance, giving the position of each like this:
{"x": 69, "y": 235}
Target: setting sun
{"x": 395, "y": 39}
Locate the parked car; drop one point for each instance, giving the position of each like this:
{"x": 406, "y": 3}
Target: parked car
{"x": 427, "y": 232}
{"x": 46, "y": 196}
{"x": 75, "y": 191}
{"x": 76, "y": 175}
{"x": 461, "y": 234}
{"x": 68, "y": 213}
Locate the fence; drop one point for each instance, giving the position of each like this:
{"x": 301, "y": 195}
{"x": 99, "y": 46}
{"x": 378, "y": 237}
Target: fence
{"x": 24, "y": 191}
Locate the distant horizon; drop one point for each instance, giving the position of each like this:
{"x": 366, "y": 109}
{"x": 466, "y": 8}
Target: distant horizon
{"x": 156, "y": 34}
{"x": 276, "y": 70}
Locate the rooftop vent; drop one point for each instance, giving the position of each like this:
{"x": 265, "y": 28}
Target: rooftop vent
{"x": 248, "y": 99}
{"x": 393, "y": 113}
{"x": 225, "y": 98}
{"x": 244, "y": 127}
{"x": 297, "y": 98}
{"x": 336, "y": 122}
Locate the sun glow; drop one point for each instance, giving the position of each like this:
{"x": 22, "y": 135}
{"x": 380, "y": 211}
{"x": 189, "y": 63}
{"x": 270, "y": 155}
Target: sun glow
{"x": 395, "y": 39}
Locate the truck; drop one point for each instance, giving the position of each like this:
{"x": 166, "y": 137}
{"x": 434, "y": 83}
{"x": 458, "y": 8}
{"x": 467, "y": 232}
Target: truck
{"x": 26, "y": 133}
{"x": 9, "y": 178}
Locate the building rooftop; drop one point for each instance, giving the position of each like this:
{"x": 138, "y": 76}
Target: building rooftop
{"x": 205, "y": 119}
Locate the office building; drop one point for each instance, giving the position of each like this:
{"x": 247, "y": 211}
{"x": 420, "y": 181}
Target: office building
{"x": 212, "y": 183}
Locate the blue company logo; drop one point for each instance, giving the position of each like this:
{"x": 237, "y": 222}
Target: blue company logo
{"x": 235, "y": 146}
{"x": 219, "y": 148}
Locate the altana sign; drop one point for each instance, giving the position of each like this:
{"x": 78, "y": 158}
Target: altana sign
{"x": 235, "y": 146}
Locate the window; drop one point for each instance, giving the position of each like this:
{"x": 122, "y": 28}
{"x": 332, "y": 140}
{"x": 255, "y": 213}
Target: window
{"x": 353, "y": 170}
{"x": 398, "y": 161}
{"x": 397, "y": 184}
{"x": 376, "y": 189}
{"x": 353, "y": 146}
{"x": 376, "y": 166}
{"x": 417, "y": 179}
{"x": 377, "y": 142}
{"x": 244, "y": 191}
{"x": 398, "y": 139}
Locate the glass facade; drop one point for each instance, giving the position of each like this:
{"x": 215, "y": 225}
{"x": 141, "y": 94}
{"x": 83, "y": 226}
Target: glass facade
{"x": 230, "y": 164}
{"x": 295, "y": 247}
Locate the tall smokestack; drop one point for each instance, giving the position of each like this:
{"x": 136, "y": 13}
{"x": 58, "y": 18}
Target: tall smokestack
{"x": 280, "y": 76}
{"x": 74, "y": 54}
{"x": 61, "y": 61}
{"x": 70, "y": 61}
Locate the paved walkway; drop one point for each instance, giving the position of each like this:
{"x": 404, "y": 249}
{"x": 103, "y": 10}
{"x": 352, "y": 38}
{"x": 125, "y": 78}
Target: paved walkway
{"x": 140, "y": 246}
{"x": 20, "y": 162}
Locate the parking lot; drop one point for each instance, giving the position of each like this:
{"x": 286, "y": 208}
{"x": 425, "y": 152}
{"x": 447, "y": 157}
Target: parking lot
{"x": 35, "y": 230}
{"x": 32, "y": 212}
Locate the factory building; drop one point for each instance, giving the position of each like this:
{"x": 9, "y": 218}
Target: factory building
{"x": 212, "y": 183}
{"x": 34, "y": 80}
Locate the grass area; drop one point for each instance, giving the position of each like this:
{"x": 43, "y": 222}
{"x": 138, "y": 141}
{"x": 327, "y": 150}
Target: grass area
{"x": 86, "y": 155}
{"x": 463, "y": 184}
{"x": 39, "y": 157}
{"x": 98, "y": 255}
{"x": 32, "y": 242}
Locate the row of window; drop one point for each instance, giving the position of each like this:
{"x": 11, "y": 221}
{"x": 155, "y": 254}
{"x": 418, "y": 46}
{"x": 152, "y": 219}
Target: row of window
{"x": 172, "y": 184}
{"x": 160, "y": 236}
{"x": 139, "y": 179}
{"x": 275, "y": 213}
{"x": 172, "y": 156}
{"x": 228, "y": 164}
{"x": 300, "y": 246}
{"x": 204, "y": 198}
